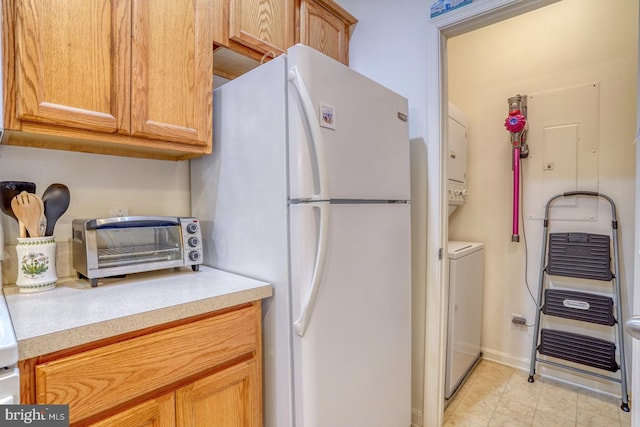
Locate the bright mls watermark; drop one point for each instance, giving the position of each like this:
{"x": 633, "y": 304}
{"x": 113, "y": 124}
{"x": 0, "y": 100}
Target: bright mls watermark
{"x": 34, "y": 415}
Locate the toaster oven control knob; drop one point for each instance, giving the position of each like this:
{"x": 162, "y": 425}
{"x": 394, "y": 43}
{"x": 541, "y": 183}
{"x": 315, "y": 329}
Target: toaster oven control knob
{"x": 194, "y": 256}
{"x": 193, "y": 241}
{"x": 192, "y": 228}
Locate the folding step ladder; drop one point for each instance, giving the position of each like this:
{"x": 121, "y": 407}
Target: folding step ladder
{"x": 584, "y": 256}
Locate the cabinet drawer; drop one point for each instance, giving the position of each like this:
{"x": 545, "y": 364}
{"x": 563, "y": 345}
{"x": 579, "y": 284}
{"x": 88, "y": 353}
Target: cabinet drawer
{"x": 96, "y": 380}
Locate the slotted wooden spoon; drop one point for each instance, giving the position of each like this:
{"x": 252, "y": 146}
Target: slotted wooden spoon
{"x": 28, "y": 209}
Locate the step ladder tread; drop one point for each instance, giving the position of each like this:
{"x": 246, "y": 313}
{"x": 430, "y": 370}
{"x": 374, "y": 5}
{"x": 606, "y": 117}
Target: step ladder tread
{"x": 578, "y": 305}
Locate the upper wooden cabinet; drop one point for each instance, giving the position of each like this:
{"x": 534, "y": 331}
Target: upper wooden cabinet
{"x": 249, "y": 32}
{"x": 266, "y": 26}
{"x": 67, "y": 74}
{"x": 129, "y": 77}
{"x": 171, "y": 63}
{"x": 325, "y": 26}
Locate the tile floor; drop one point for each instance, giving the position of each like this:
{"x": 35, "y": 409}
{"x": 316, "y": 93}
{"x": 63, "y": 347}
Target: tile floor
{"x": 497, "y": 395}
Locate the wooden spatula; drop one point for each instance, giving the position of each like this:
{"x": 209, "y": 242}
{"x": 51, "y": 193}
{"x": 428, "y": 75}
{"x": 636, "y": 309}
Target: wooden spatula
{"x": 28, "y": 209}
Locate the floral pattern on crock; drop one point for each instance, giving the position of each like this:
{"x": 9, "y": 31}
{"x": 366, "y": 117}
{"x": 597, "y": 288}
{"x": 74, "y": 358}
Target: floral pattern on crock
{"x": 34, "y": 265}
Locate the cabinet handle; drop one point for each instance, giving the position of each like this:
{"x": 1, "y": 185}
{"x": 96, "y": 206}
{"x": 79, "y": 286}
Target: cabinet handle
{"x": 270, "y": 53}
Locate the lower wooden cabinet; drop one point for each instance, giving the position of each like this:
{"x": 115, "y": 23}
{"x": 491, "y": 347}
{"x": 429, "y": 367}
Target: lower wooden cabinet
{"x": 228, "y": 398}
{"x": 201, "y": 371}
{"x": 225, "y": 399}
{"x": 158, "y": 412}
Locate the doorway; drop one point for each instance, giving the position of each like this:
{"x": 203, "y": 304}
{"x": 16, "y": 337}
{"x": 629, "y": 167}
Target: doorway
{"x": 446, "y": 30}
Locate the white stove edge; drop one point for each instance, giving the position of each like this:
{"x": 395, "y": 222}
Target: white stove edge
{"x": 8, "y": 342}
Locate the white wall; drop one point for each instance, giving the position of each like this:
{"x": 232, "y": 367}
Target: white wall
{"x": 97, "y": 183}
{"x": 550, "y": 48}
{"x": 387, "y": 45}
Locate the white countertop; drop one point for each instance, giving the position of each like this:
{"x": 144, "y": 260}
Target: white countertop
{"x": 74, "y": 313}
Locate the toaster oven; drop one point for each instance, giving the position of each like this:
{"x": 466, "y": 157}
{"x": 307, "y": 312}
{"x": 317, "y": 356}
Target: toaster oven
{"x": 114, "y": 247}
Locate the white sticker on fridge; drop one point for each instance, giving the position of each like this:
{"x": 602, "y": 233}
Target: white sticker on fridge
{"x": 327, "y": 116}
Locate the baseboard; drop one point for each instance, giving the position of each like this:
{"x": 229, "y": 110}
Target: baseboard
{"x": 505, "y": 359}
{"x": 558, "y": 374}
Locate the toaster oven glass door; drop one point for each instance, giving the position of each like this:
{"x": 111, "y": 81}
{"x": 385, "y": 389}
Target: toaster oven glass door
{"x": 119, "y": 247}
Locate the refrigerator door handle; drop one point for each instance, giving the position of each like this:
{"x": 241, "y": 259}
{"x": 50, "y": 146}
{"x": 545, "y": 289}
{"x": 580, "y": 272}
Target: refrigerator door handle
{"x": 300, "y": 325}
{"x": 316, "y": 136}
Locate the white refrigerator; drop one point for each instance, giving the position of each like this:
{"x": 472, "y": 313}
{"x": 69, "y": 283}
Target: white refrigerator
{"x": 308, "y": 188}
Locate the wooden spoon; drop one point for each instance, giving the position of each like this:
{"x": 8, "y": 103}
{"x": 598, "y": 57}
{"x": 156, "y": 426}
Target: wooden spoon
{"x": 23, "y": 230}
{"x": 28, "y": 209}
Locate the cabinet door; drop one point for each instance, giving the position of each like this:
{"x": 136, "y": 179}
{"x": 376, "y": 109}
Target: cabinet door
{"x": 72, "y": 63}
{"x": 263, "y": 25}
{"x": 159, "y": 412}
{"x": 93, "y": 381}
{"x": 326, "y": 29}
{"x": 172, "y": 61}
{"x": 229, "y": 398}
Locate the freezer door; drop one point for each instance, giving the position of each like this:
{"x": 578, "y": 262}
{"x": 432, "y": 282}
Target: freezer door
{"x": 344, "y": 130}
{"x": 352, "y": 365}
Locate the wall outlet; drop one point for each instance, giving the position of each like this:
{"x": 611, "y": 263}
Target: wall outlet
{"x": 518, "y": 321}
{"x": 118, "y": 212}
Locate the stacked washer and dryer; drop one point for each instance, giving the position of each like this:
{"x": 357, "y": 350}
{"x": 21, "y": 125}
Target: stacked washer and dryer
{"x": 466, "y": 268}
